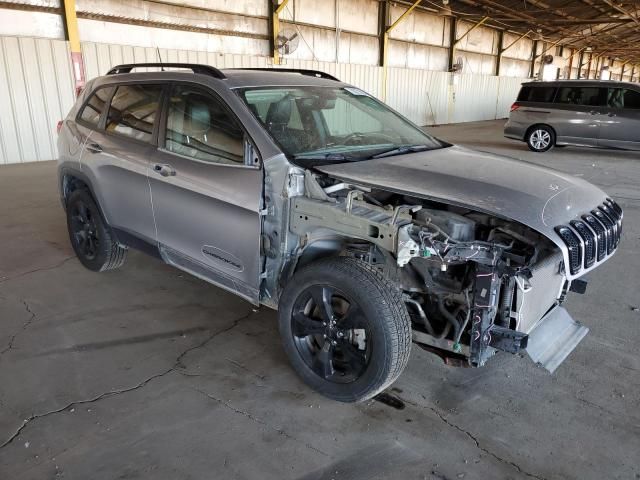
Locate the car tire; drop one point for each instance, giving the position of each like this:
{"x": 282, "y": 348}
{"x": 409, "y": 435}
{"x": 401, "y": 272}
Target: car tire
{"x": 91, "y": 238}
{"x": 541, "y": 138}
{"x": 345, "y": 328}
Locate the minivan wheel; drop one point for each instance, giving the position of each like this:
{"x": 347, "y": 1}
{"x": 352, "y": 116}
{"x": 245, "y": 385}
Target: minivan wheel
{"x": 345, "y": 328}
{"x": 541, "y": 138}
{"x": 91, "y": 238}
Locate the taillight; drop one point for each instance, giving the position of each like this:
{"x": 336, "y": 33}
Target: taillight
{"x": 515, "y": 107}
{"x": 59, "y": 126}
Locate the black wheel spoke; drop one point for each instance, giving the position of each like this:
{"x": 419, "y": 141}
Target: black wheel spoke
{"x": 323, "y": 361}
{"x": 82, "y": 212}
{"x": 304, "y": 326}
{"x": 322, "y": 298}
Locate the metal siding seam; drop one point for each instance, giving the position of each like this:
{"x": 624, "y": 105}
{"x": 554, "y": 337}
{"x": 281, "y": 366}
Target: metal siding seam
{"x": 49, "y": 120}
{"x": 28, "y": 103}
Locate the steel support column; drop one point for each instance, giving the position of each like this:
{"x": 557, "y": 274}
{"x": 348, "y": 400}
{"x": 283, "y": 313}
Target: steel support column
{"x": 452, "y": 47}
{"x": 500, "y": 51}
{"x": 275, "y": 28}
{"x": 532, "y": 68}
{"x": 580, "y": 64}
{"x": 72, "y": 36}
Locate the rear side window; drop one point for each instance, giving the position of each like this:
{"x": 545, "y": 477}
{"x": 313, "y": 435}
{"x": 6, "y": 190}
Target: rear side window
{"x": 587, "y": 96}
{"x": 631, "y": 99}
{"x": 133, "y": 111}
{"x": 623, "y": 98}
{"x": 92, "y": 111}
{"x": 200, "y": 127}
{"x": 541, "y": 94}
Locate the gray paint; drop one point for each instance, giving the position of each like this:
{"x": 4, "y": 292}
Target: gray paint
{"x": 583, "y": 125}
{"x": 538, "y": 197}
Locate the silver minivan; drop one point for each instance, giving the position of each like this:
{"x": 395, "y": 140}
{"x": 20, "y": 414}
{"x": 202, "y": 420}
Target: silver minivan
{"x": 592, "y": 113}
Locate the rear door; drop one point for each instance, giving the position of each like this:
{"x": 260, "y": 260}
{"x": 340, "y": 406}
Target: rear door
{"x": 116, "y": 156}
{"x": 577, "y": 112}
{"x": 621, "y": 122}
{"x": 206, "y": 188}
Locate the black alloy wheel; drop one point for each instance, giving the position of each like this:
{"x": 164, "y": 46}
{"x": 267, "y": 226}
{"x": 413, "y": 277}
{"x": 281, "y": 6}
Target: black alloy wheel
{"x": 330, "y": 334}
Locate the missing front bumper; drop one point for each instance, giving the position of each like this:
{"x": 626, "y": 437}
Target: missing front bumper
{"x": 554, "y": 338}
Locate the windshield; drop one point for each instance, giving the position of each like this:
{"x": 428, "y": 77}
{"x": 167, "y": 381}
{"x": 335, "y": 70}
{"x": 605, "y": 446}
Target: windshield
{"x": 330, "y": 124}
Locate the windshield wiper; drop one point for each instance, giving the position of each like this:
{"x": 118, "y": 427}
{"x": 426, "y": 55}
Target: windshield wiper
{"x": 401, "y": 151}
{"x": 331, "y": 157}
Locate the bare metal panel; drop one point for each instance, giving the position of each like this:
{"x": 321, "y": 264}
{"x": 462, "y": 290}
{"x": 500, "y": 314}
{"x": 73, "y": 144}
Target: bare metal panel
{"x": 554, "y": 338}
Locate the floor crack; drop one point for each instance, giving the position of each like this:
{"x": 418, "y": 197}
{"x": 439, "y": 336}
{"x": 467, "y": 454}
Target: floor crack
{"x": 475, "y": 440}
{"x": 176, "y": 365}
{"x": 50, "y": 267}
{"x": 255, "y": 419}
{"x": 22, "y": 329}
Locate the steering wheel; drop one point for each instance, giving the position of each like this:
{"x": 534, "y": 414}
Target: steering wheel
{"x": 354, "y": 138}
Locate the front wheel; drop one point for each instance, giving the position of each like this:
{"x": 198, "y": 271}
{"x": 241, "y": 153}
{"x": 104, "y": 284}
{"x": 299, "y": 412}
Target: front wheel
{"x": 345, "y": 328}
{"x": 540, "y": 139}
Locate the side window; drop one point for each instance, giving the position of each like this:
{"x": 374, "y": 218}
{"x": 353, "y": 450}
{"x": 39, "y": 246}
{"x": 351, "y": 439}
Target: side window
{"x": 93, "y": 109}
{"x": 133, "y": 111}
{"x": 198, "y": 126}
{"x": 631, "y": 99}
{"x": 586, "y": 96}
{"x": 615, "y": 98}
{"x": 524, "y": 94}
{"x": 541, "y": 94}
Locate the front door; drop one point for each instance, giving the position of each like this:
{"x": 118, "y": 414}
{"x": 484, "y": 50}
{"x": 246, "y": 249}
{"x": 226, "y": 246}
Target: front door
{"x": 206, "y": 192}
{"x": 620, "y": 127}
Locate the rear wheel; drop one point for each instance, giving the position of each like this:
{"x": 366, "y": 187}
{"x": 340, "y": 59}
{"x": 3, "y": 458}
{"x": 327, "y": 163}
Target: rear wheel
{"x": 90, "y": 236}
{"x": 345, "y": 329}
{"x": 541, "y": 138}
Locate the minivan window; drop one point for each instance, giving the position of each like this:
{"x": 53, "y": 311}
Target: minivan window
{"x": 623, "y": 98}
{"x": 631, "y": 99}
{"x": 199, "y": 126}
{"x": 133, "y": 111}
{"x": 93, "y": 109}
{"x": 541, "y": 94}
{"x": 577, "y": 95}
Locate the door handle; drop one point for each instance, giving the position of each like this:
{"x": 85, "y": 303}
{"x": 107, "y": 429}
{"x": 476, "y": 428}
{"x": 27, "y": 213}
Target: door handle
{"x": 164, "y": 169}
{"x": 94, "y": 148}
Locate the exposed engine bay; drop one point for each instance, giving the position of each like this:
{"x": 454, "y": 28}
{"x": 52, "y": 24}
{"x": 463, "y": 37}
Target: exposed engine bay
{"x": 473, "y": 283}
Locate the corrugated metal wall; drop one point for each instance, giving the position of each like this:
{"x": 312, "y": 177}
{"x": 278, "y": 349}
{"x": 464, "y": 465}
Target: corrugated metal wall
{"x": 36, "y": 90}
{"x": 36, "y": 76}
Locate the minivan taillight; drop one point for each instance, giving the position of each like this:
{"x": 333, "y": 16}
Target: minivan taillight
{"x": 515, "y": 107}
{"x": 59, "y": 126}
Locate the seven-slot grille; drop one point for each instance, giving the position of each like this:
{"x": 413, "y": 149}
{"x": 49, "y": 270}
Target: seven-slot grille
{"x": 593, "y": 237}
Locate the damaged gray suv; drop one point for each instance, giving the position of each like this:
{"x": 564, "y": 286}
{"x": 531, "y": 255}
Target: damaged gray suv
{"x": 307, "y": 195}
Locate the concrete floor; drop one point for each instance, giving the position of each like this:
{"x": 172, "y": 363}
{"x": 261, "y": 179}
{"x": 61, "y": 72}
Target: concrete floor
{"x": 148, "y": 373}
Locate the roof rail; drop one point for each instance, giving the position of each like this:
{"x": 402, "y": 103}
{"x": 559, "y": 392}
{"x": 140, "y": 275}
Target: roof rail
{"x": 194, "y": 67}
{"x": 310, "y": 73}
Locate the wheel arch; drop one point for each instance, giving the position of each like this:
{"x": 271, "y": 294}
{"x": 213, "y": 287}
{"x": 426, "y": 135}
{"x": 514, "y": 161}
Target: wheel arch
{"x": 325, "y": 243}
{"x": 72, "y": 180}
